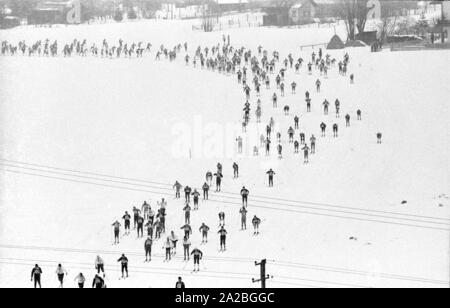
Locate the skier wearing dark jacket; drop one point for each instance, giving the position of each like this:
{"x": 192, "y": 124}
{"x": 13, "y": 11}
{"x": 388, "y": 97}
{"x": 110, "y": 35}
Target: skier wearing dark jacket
{"x": 198, "y": 255}
{"x": 244, "y": 193}
{"x": 98, "y": 282}
{"x": 187, "y": 193}
{"x": 205, "y": 191}
{"x": 204, "y": 230}
{"x": 148, "y": 249}
{"x": 223, "y": 238}
{"x": 124, "y": 265}
{"x": 271, "y": 173}
{"x": 219, "y": 177}
{"x": 36, "y": 276}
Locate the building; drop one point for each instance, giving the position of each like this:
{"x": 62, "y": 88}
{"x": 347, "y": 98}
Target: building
{"x": 50, "y": 12}
{"x": 8, "y": 21}
{"x": 179, "y": 9}
{"x": 303, "y": 12}
{"x": 231, "y": 5}
{"x": 300, "y": 12}
{"x": 443, "y": 25}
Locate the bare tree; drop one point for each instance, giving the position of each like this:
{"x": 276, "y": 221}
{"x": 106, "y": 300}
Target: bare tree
{"x": 354, "y": 13}
{"x": 387, "y": 27}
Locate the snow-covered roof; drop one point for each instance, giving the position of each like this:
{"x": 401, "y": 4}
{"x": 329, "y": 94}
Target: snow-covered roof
{"x": 232, "y": 1}
{"x": 323, "y": 2}
{"x": 313, "y": 2}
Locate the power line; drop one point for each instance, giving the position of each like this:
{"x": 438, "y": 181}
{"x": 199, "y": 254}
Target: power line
{"x": 253, "y": 205}
{"x": 225, "y": 192}
{"x": 287, "y": 205}
{"x": 151, "y": 270}
{"x": 240, "y": 260}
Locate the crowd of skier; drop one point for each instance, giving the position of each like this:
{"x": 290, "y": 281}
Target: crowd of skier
{"x": 255, "y": 71}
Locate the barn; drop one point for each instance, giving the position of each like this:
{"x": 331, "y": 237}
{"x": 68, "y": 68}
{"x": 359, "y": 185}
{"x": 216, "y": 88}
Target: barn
{"x": 49, "y": 12}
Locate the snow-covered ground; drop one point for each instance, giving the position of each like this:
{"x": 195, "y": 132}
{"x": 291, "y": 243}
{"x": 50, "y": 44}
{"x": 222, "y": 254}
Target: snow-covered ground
{"x": 118, "y": 132}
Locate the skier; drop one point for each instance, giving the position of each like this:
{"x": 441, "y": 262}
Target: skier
{"x": 204, "y": 230}
{"x": 140, "y": 226}
{"x": 268, "y": 146}
{"x": 209, "y": 177}
{"x": 219, "y": 177}
{"x": 296, "y": 146}
{"x": 36, "y": 273}
{"x": 256, "y": 222}
{"x": 244, "y": 193}
{"x": 308, "y": 105}
{"x": 347, "y": 120}
{"x": 323, "y": 126}
{"x": 335, "y": 130}
{"x": 358, "y": 114}
{"x": 379, "y": 135}
{"x": 116, "y": 226}
{"x": 243, "y": 212}
{"x": 99, "y": 265}
{"x": 223, "y": 238}
{"x": 291, "y": 132}
{"x": 151, "y": 216}
{"x": 271, "y": 173}
{"x": 235, "y": 170}
{"x": 148, "y": 249}
{"x": 145, "y": 209}
{"x": 305, "y": 154}
{"x": 177, "y": 187}
{"x": 158, "y": 228}
{"x": 162, "y": 206}
{"x": 221, "y": 219}
{"x": 80, "y": 279}
{"x": 180, "y": 284}
{"x": 136, "y": 213}
{"x": 258, "y": 114}
{"x": 187, "y": 214}
{"x": 186, "y": 246}
{"x": 296, "y": 122}
{"x": 124, "y": 265}
{"x": 174, "y": 240}
{"x": 187, "y": 194}
{"x": 313, "y": 144}
{"x": 198, "y": 255}
{"x": 127, "y": 221}
{"x": 205, "y": 191}
{"x": 318, "y": 83}
{"x": 302, "y": 138}
{"x": 325, "y": 107}
{"x": 274, "y": 100}
{"x": 187, "y": 230}
{"x": 280, "y": 151}
{"x": 149, "y": 226}
{"x": 98, "y": 282}
{"x": 337, "y": 104}
{"x": 196, "y": 196}
{"x": 168, "y": 246}
{"x": 61, "y": 272}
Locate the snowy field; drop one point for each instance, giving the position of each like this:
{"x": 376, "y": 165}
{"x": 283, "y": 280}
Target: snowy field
{"x": 84, "y": 139}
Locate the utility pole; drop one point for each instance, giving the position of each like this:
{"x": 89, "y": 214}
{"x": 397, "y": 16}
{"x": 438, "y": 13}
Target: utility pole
{"x": 264, "y": 276}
